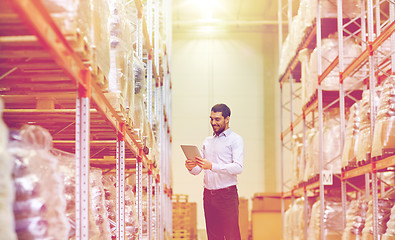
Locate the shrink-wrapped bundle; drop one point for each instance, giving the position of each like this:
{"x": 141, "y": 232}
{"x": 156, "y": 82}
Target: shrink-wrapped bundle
{"x": 311, "y": 154}
{"x": 364, "y": 138}
{"x": 331, "y": 148}
{"x": 333, "y": 228}
{"x": 7, "y": 192}
{"x": 297, "y": 159}
{"x": 384, "y": 212}
{"x": 384, "y": 132}
{"x": 101, "y": 35}
{"x": 305, "y": 19}
{"x": 330, "y": 50}
{"x": 110, "y": 195}
{"x": 121, "y": 54}
{"x": 355, "y": 220}
{"x": 74, "y": 17}
{"x": 40, "y": 205}
{"x": 390, "y": 233}
{"x": 295, "y": 223}
{"x": 288, "y": 233}
{"x": 86, "y": 19}
{"x": 131, "y": 223}
{"x": 67, "y": 168}
{"x": 140, "y": 89}
{"x": 351, "y": 142}
{"x": 98, "y": 206}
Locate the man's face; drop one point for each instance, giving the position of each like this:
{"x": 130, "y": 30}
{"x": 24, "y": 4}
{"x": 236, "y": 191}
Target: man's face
{"x": 218, "y": 122}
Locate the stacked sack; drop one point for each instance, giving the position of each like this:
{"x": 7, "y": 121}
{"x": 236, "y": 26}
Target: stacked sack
{"x": 311, "y": 154}
{"x": 333, "y": 228}
{"x": 305, "y": 19}
{"x": 110, "y": 195}
{"x": 40, "y": 204}
{"x": 86, "y": 19}
{"x": 390, "y": 233}
{"x": 384, "y": 133}
{"x": 6, "y": 185}
{"x": 297, "y": 159}
{"x": 131, "y": 222}
{"x": 295, "y": 220}
{"x": 140, "y": 91}
{"x": 67, "y": 167}
{"x": 120, "y": 81}
{"x": 330, "y": 50}
{"x": 331, "y": 148}
{"x": 364, "y": 137}
{"x": 349, "y": 155}
{"x": 356, "y": 218}
{"x": 97, "y": 202}
{"x": 384, "y": 212}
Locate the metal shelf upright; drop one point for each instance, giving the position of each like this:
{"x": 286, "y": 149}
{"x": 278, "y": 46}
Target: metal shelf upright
{"x": 370, "y": 33}
{"x": 99, "y": 128}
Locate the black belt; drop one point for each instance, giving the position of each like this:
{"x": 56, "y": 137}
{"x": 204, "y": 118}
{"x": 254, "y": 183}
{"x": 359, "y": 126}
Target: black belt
{"x": 216, "y": 191}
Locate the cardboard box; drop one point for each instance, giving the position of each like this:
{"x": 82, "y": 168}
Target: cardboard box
{"x": 269, "y": 202}
{"x": 266, "y": 225}
{"x": 243, "y": 218}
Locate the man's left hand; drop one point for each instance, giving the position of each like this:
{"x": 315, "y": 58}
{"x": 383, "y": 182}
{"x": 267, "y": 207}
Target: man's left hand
{"x": 203, "y": 163}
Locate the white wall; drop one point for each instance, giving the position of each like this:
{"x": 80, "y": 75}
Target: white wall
{"x": 210, "y": 68}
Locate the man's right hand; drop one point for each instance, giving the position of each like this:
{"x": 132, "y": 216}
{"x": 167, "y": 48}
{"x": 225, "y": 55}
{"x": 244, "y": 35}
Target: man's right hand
{"x": 189, "y": 164}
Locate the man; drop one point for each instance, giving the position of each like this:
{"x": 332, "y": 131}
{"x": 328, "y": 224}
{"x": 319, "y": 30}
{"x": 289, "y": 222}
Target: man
{"x": 222, "y": 160}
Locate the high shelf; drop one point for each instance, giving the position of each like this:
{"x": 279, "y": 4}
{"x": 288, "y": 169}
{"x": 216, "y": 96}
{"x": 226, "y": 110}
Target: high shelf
{"x": 51, "y": 79}
{"x": 306, "y": 108}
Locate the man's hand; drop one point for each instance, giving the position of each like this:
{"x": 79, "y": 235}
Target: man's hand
{"x": 189, "y": 164}
{"x": 203, "y": 163}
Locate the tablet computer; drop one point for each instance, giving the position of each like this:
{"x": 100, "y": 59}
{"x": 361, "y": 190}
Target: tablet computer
{"x": 190, "y": 151}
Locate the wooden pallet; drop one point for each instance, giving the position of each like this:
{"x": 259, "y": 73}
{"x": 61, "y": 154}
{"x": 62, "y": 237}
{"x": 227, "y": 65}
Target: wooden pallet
{"x": 181, "y": 234}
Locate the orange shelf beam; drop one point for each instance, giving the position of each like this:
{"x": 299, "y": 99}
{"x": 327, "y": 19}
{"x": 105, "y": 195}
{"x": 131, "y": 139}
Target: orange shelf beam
{"x": 295, "y": 60}
{"x": 385, "y": 34}
{"x": 37, "y": 18}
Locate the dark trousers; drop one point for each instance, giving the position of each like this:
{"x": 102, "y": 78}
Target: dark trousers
{"x": 221, "y": 210}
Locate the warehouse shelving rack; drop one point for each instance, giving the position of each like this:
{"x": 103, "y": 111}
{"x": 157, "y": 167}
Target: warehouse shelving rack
{"x": 48, "y": 83}
{"x": 377, "y": 30}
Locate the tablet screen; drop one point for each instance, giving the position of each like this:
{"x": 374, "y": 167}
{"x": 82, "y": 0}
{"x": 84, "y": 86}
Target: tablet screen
{"x": 190, "y": 151}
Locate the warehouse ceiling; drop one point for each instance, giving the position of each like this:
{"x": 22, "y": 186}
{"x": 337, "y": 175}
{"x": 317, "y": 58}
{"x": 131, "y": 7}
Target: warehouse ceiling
{"x": 243, "y": 14}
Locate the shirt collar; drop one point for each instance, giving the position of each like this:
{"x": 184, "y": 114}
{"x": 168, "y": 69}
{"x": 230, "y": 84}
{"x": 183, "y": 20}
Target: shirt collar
{"x": 226, "y": 133}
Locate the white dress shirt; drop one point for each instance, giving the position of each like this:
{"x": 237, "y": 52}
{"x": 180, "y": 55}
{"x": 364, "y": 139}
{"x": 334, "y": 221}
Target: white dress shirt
{"x": 226, "y": 153}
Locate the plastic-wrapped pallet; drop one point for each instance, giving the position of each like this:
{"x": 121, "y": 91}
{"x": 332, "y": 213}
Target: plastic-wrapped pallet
{"x": 297, "y": 159}
{"x": 331, "y": 149}
{"x": 330, "y": 50}
{"x": 110, "y": 195}
{"x": 295, "y": 221}
{"x": 140, "y": 89}
{"x": 384, "y": 212}
{"x": 7, "y": 192}
{"x": 131, "y": 220}
{"x": 390, "y": 233}
{"x": 86, "y": 19}
{"x": 97, "y": 201}
{"x": 67, "y": 166}
{"x": 333, "y": 228}
{"x": 311, "y": 154}
{"x": 364, "y": 139}
{"x": 40, "y": 204}
{"x": 356, "y": 218}
{"x": 305, "y": 18}
{"x": 351, "y": 144}
{"x": 121, "y": 81}
{"x": 72, "y": 17}
{"x": 384, "y": 134}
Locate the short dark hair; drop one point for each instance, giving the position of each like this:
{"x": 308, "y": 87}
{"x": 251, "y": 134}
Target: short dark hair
{"x": 221, "y": 108}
